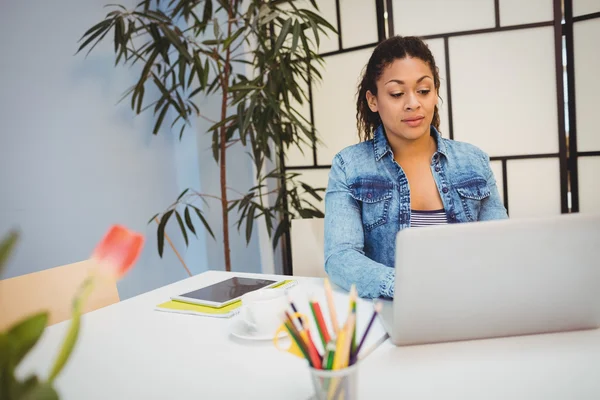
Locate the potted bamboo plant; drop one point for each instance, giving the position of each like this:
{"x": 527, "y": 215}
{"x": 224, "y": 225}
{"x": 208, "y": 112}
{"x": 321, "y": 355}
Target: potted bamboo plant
{"x": 258, "y": 56}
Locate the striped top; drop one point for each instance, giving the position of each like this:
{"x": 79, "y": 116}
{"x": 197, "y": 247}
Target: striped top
{"x": 420, "y": 218}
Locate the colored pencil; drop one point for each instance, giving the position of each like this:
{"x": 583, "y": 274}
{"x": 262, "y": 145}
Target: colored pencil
{"x": 320, "y": 322}
{"x": 329, "y": 354}
{"x": 347, "y": 347}
{"x": 366, "y": 353}
{"x": 353, "y": 295}
{"x": 294, "y": 336}
{"x": 294, "y": 308}
{"x": 331, "y": 306}
{"x": 304, "y": 333}
{"x": 341, "y": 339}
{"x": 376, "y": 311}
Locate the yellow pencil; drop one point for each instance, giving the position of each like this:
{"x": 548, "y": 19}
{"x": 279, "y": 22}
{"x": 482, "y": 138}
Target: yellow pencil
{"x": 352, "y": 310}
{"x": 341, "y": 339}
{"x": 331, "y": 306}
{"x": 346, "y": 347}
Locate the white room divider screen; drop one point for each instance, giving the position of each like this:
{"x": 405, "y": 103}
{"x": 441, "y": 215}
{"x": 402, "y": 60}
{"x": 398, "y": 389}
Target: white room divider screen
{"x": 519, "y": 80}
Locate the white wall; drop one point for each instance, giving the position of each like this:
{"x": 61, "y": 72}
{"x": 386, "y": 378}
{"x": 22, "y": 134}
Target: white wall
{"x": 72, "y": 162}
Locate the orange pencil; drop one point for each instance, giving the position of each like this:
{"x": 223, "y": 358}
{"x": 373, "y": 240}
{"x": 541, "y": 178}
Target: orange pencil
{"x": 331, "y": 306}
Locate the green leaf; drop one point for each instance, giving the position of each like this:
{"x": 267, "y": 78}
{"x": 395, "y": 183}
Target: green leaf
{"x": 176, "y": 41}
{"x": 183, "y": 194}
{"x": 25, "y": 334}
{"x": 295, "y": 36}
{"x": 6, "y": 247}
{"x": 250, "y": 222}
{"x": 161, "y": 116}
{"x": 313, "y": 17}
{"x": 160, "y": 232}
{"x": 281, "y": 38}
{"x": 208, "y": 11}
{"x": 199, "y": 213}
{"x": 206, "y": 70}
{"x": 281, "y": 229}
{"x": 98, "y": 26}
{"x": 182, "y": 71}
{"x": 182, "y": 227}
{"x": 312, "y": 191}
{"x": 188, "y": 221}
{"x": 232, "y": 38}
{"x": 42, "y": 391}
{"x": 153, "y": 217}
{"x": 102, "y": 31}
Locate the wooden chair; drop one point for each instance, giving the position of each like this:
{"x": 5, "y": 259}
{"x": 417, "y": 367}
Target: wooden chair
{"x": 308, "y": 251}
{"x": 52, "y": 290}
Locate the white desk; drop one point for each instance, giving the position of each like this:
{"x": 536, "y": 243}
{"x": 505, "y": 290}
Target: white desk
{"x": 130, "y": 351}
{"x": 563, "y": 366}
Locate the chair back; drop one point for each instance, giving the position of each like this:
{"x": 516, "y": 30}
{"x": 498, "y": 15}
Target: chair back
{"x": 308, "y": 251}
{"x": 51, "y": 290}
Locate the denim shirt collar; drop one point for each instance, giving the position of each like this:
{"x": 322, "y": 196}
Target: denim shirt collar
{"x": 381, "y": 146}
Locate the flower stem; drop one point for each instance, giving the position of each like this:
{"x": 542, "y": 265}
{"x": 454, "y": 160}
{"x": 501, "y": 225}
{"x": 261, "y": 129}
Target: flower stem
{"x": 70, "y": 340}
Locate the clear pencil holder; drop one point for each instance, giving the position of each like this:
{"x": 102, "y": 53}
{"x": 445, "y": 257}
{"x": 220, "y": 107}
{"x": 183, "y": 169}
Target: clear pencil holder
{"x": 335, "y": 384}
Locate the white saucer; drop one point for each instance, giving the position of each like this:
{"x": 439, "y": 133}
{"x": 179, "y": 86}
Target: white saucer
{"x": 241, "y": 330}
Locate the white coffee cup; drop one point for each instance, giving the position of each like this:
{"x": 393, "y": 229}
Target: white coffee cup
{"x": 262, "y": 310}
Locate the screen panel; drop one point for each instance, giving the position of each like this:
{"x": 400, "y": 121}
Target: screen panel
{"x": 533, "y": 187}
{"x": 517, "y": 12}
{"x": 504, "y": 91}
{"x": 334, "y": 103}
{"x": 589, "y": 184}
{"x": 428, "y": 17}
{"x": 583, "y": 7}
{"x": 316, "y": 178}
{"x": 439, "y": 54}
{"x": 359, "y": 22}
{"x": 586, "y": 49}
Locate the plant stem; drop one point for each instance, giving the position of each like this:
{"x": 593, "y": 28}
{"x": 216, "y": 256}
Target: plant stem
{"x": 223, "y": 147}
{"x": 70, "y": 340}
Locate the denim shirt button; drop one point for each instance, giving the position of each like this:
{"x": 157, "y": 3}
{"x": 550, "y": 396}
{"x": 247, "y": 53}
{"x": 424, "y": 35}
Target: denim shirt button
{"x": 437, "y": 169}
{"x": 369, "y": 195}
{"x": 445, "y": 190}
{"x": 452, "y": 216}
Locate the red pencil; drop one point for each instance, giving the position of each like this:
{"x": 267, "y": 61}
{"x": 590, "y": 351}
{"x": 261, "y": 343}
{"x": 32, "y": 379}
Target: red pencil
{"x": 320, "y": 320}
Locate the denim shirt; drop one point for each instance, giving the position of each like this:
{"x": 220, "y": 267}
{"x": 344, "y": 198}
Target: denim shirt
{"x": 367, "y": 203}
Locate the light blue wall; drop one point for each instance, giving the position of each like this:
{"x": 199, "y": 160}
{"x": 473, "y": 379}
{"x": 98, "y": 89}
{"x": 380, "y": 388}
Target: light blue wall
{"x": 72, "y": 162}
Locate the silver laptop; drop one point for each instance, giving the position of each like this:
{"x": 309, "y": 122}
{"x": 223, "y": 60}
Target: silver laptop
{"x": 494, "y": 279}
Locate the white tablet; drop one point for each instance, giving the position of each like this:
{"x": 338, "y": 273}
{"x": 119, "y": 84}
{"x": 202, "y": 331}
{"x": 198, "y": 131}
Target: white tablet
{"x": 225, "y": 292}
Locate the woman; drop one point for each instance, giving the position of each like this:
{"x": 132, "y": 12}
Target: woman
{"x": 403, "y": 174}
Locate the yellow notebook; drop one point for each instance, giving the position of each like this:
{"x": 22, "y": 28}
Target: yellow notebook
{"x": 222, "y": 312}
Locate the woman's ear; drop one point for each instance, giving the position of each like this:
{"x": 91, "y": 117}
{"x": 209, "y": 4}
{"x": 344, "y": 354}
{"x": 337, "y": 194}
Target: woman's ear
{"x": 371, "y": 101}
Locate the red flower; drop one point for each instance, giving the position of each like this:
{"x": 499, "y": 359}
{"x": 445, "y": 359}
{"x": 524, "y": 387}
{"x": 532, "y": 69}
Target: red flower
{"x": 118, "y": 251}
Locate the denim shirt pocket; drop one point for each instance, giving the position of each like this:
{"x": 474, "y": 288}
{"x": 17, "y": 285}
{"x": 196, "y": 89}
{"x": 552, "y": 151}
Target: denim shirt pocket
{"x": 374, "y": 197}
{"x": 471, "y": 193}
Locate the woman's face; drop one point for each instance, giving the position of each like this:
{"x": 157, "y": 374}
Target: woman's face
{"x": 406, "y": 98}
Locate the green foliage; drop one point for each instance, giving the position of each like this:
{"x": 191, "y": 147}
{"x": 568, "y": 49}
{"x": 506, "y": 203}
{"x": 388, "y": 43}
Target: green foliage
{"x": 258, "y": 58}
{"x": 15, "y": 344}
{"x": 18, "y": 340}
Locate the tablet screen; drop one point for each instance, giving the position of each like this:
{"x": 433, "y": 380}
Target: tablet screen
{"x": 227, "y": 290}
